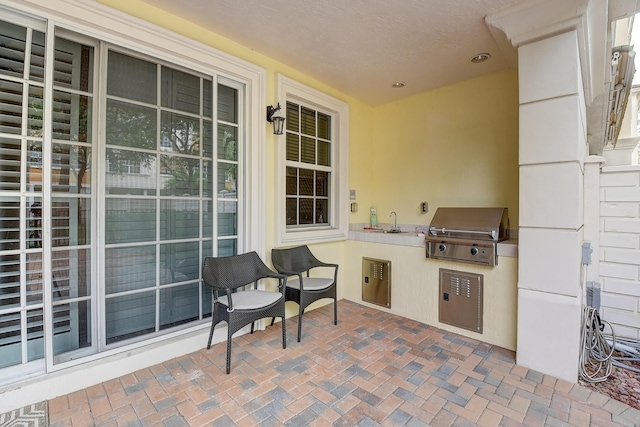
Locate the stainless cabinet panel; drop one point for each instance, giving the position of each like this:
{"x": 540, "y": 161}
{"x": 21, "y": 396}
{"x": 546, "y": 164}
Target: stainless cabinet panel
{"x": 376, "y": 281}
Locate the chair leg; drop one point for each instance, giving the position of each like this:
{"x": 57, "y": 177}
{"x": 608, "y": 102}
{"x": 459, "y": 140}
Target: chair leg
{"x": 335, "y": 311}
{"x": 229, "y": 353}
{"x": 213, "y": 325}
{"x": 273, "y": 319}
{"x": 252, "y": 323}
{"x": 284, "y": 333}
{"x": 300, "y": 312}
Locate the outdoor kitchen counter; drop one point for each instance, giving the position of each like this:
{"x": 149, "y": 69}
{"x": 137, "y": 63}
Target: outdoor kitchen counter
{"x": 414, "y": 280}
{"x": 508, "y": 248}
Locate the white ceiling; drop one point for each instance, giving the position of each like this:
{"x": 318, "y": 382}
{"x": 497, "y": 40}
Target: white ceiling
{"x": 360, "y": 47}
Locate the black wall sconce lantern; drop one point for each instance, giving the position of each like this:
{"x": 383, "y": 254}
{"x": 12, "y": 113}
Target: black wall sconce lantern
{"x": 278, "y": 121}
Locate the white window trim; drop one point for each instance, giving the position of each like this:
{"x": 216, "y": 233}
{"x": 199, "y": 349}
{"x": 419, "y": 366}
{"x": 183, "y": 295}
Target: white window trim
{"x": 338, "y": 229}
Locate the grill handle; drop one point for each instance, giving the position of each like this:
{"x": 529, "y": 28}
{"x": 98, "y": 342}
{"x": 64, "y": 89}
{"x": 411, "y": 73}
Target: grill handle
{"x": 434, "y": 231}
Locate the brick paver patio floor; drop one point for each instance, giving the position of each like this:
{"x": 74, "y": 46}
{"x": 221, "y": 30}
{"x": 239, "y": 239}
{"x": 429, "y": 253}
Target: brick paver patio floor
{"x": 374, "y": 368}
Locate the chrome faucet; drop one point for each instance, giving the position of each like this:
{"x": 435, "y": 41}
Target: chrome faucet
{"x": 395, "y": 221}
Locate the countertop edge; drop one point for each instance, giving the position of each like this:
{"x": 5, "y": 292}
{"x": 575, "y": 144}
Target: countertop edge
{"x": 508, "y": 248}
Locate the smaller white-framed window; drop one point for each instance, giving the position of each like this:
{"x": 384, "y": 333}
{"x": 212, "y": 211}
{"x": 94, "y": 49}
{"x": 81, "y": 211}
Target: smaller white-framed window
{"x": 312, "y": 166}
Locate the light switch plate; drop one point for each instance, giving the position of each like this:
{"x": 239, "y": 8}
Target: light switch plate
{"x": 352, "y": 194}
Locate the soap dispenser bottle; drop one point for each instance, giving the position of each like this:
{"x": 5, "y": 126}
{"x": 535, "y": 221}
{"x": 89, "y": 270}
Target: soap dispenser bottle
{"x": 374, "y": 217}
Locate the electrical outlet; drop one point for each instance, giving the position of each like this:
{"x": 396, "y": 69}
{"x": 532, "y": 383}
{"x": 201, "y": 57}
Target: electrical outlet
{"x": 424, "y": 207}
{"x": 587, "y": 250}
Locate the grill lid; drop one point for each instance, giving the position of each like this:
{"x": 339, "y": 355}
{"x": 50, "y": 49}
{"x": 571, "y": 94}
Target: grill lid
{"x": 491, "y": 224}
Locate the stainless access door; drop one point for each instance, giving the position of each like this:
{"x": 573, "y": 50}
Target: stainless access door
{"x": 376, "y": 281}
{"x": 461, "y": 296}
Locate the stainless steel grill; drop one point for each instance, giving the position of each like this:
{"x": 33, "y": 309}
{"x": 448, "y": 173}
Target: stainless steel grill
{"x": 467, "y": 234}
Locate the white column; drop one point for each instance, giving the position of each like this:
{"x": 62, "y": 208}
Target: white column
{"x": 552, "y": 151}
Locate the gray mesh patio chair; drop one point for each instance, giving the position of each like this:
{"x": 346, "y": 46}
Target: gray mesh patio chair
{"x": 303, "y": 289}
{"x": 238, "y": 307}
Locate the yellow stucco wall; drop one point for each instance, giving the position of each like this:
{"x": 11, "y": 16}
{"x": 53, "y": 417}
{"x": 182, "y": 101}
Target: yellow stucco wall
{"x": 454, "y": 146}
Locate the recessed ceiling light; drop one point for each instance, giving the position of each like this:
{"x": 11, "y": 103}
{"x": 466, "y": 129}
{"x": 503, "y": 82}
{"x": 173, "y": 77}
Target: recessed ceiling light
{"x": 481, "y": 57}
{"x": 397, "y": 85}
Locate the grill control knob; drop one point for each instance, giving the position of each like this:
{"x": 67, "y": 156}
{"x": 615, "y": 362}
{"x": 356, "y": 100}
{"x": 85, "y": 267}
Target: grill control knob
{"x": 442, "y": 247}
{"x": 474, "y": 250}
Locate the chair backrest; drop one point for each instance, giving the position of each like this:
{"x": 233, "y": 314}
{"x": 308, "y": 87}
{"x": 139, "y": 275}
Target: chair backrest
{"x": 296, "y": 259}
{"x": 232, "y": 272}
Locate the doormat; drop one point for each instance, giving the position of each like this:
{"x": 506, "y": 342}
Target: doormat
{"x": 35, "y": 415}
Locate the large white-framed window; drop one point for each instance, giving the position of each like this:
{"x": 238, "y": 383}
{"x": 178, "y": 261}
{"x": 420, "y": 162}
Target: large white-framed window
{"x": 312, "y": 166}
{"x": 127, "y": 154}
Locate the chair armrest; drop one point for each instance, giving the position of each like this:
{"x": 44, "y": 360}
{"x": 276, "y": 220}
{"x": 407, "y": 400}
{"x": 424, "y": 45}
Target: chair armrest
{"x": 287, "y": 274}
{"x": 326, "y": 264}
{"x": 291, "y": 272}
{"x": 282, "y": 280}
{"x": 330, "y": 265}
{"x": 274, "y": 275}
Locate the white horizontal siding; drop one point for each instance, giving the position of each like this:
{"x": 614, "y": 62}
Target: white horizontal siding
{"x": 622, "y": 194}
{"x": 622, "y": 317}
{"x": 624, "y": 287}
{"x": 623, "y": 179}
{"x": 622, "y": 225}
{"x": 622, "y": 256}
{"x": 620, "y": 250}
{"x": 619, "y": 240}
{"x": 619, "y": 271}
{"x": 620, "y": 302}
{"x": 624, "y": 210}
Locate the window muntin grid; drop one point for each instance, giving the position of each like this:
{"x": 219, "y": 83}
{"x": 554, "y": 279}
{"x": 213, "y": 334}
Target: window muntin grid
{"x": 309, "y": 169}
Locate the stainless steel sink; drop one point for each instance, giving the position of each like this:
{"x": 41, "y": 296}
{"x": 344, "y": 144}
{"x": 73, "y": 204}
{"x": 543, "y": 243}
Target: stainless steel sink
{"x": 394, "y": 230}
